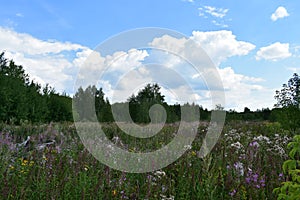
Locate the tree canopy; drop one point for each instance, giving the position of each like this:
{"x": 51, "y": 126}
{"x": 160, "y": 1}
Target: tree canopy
{"x": 23, "y": 100}
{"x": 288, "y": 99}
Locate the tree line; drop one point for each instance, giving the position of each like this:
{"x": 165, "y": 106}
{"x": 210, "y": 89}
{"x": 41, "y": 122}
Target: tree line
{"x": 22, "y": 100}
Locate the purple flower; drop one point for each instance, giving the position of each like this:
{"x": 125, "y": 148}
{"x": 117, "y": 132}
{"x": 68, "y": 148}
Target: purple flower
{"x": 254, "y": 177}
{"x": 254, "y": 144}
{"x": 232, "y": 193}
{"x": 248, "y": 180}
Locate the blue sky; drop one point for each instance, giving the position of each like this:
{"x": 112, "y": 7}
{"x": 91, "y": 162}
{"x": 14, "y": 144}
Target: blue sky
{"x": 254, "y": 44}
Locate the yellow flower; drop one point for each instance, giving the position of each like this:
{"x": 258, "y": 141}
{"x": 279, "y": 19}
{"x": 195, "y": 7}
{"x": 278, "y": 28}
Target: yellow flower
{"x": 44, "y": 157}
{"x": 11, "y": 167}
{"x": 114, "y": 192}
{"x": 193, "y": 153}
{"x": 86, "y": 167}
{"x": 24, "y": 162}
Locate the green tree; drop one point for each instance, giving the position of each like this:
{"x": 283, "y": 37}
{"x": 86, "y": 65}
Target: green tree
{"x": 13, "y": 87}
{"x": 288, "y": 99}
{"x": 22, "y": 99}
{"x": 85, "y": 99}
{"x": 140, "y": 104}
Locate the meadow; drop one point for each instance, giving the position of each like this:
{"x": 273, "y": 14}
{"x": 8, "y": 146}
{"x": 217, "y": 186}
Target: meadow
{"x": 50, "y": 162}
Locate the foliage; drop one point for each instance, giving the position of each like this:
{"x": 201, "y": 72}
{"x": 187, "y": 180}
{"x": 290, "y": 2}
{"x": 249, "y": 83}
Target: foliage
{"x": 22, "y": 99}
{"x": 290, "y": 189}
{"x": 140, "y": 104}
{"x": 289, "y": 95}
{"x": 288, "y": 98}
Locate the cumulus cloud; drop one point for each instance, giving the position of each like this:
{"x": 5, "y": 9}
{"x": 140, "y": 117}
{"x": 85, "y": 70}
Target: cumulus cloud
{"x": 44, "y": 61}
{"x": 240, "y": 90}
{"x": 220, "y": 45}
{"x": 245, "y": 91}
{"x": 25, "y": 43}
{"x": 58, "y": 63}
{"x": 280, "y": 12}
{"x": 274, "y": 52}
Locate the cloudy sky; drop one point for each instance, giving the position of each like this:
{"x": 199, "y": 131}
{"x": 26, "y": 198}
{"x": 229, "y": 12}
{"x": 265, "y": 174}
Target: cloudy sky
{"x": 254, "y": 45}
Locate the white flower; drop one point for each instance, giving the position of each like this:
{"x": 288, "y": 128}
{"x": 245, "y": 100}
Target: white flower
{"x": 263, "y": 138}
{"x": 164, "y": 197}
{"x": 237, "y": 145}
{"x": 239, "y": 167}
{"x": 159, "y": 173}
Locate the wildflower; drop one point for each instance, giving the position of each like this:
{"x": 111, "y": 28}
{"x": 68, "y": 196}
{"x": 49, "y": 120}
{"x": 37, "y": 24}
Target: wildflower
{"x": 164, "y": 197}
{"x": 254, "y": 177}
{"x": 254, "y": 144}
{"x": 232, "y": 193}
{"x": 11, "y": 167}
{"x": 239, "y": 167}
{"x": 24, "y": 162}
{"x": 114, "y": 192}
{"x": 193, "y": 153}
{"x": 237, "y": 145}
{"x": 262, "y": 182}
{"x": 159, "y": 173}
{"x": 263, "y": 138}
{"x": 248, "y": 179}
{"x": 86, "y": 167}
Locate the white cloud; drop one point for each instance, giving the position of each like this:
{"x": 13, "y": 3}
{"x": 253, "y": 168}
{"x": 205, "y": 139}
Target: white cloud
{"x": 213, "y": 11}
{"x": 122, "y": 61}
{"x": 240, "y": 90}
{"x": 274, "y": 52}
{"x": 57, "y": 63}
{"x": 280, "y": 12}
{"x": 19, "y": 15}
{"x": 44, "y": 61}
{"x": 220, "y": 45}
{"x": 25, "y": 43}
{"x": 219, "y": 24}
{"x": 244, "y": 91}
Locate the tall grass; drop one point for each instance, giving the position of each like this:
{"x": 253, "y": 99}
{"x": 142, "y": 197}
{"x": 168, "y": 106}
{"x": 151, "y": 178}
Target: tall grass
{"x": 54, "y": 164}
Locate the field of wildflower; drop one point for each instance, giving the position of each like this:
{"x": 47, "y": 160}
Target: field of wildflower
{"x": 50, "y": 162}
